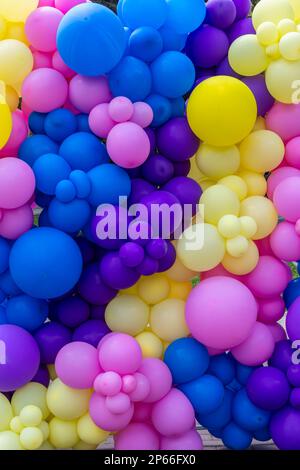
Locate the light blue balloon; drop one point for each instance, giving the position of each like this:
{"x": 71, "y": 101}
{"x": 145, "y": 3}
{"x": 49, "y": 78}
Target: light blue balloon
{"x": 185, "y": 16}
{"x": 172, "y": 41}
{"x": 145, "y": 43}
{"x": 131, "y": 78}
{"x": 161, "y": 108}
{"x": 136, "y": 13}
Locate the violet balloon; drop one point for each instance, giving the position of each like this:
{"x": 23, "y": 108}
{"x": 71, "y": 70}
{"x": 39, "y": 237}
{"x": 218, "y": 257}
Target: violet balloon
{"x": 220, "y": 13}
{"x": 285, "y": 429}
{"x": 176, "y": 141}
{"x": 91, "y": 332}
{"x": 263, "y": 98}
{"x": 51, "y": 337}
{"x": 268, "y": 388}
{"x": 200, "y": 54}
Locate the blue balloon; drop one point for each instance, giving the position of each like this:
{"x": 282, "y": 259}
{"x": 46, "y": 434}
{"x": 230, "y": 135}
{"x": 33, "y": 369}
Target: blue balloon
{"x": 81, "y": 182}
{"x": 91, "y": 39}
{"x": 221, "y": 417}
{"x": 177, "y": 107}
{"x": 120, "y": 10}
{"x": 161, "y": 108}
{"x": 35, "y": 146}
{"x": 4, "y": 254}
{"x": 8, "y": 285}
{"x": 83, "y": 151}
{"x": 247, "y": 415}
{"x": 206, "y": 394}
{"x": 173, "y": 74}
{"x": 236, "y": 438}
{"x": 136, "y": 13}
{"x": 2, "y": 296}
{"x": 49, "y": 170}
{"x": 114, "y": 182}
{"x": 185, "y": 16}
{"x": 292, "y": 292}
{"x": 187, "y": 360}
{"x": 41, "y": 199}
{"x": 263, "y": 435}
{"x": 26, "y": 312}
{"x": 172, "y": 41}
{"x": 66, "y": 191}
{"x": 3, "y": 319}
{"x": 145, "y": 43}
{"x": 243, "y": 373}
{"x": 60, "y": 124}
{"x": 45, "y": 263}
{"x": 223, "y": 368}
{"x": 131, "y": 78}
{"x": 36, "y": 122}
{"x": 44, "y": 219}
{"x": 71, "y": 217}
{"x": 83, "y": 123}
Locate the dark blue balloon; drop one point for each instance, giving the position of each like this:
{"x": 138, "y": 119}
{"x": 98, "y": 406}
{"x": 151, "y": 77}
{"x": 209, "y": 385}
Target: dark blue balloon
{"x": 3, "y": 319}
{"x": 44, "y": 219}
{"x": 145, "y": 43}
{"x": 223, "y": 368}
{"x": 35, "y": 146}
{"x": 187, "y": 360}
{"x": 247, "y": 415}
{"x": 42, "y": 200}
{"x": 177, "y": 107}
{"x": 4, "y": 254}
{"x": 263, "y": 435}
{"x": 243, "y": 373}
{"x": 49, "y": 170}
{"x": 60, "y": 124}
{"x": 70, "y": 217}
{"x": 221, "y": 417}
{"x": 172, "y": 41}
{"x": 83, "y": 151}
{"x": 8, "y": 285}
{"x": 115, "y": 182}
{"x": 36, "y": 122}
{"x": 131, "y": 78}
{"x": 206, "y": 394}
{"x": 26, "y": 312}
{"x": 292, "y": 292}
{"x": 236, "y": 438}
{"x": 161, "y": 108}
{"x": 83, "y": 123}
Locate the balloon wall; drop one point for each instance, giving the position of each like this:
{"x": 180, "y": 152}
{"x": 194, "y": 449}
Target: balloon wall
{"x": 149, "y": 224}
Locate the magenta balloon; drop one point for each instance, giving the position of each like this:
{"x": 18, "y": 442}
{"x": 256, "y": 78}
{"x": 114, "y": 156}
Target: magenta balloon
{"x": 17, "y": 183}
{"x": 284, "y": 120}
{"x": 159, "y": 376}
{"x": 120, "y": 353}
{"x": 286, "y": 197}
{"x": 41, "y": 27}
{"x": 190, "y": 440}
{"x": 106, "y": 420}
{"x": 257, "y": 348}
{"x": 292, "y": 153}
{"x": 137, "y": 436}
{"x": 285, "y": 242}
{"x": 278, "y": 176}
{"x": 270, "y": 310}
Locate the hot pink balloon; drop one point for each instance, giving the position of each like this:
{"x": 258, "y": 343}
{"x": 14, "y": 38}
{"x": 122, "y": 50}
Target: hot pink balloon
{"x": 292, "y": 152}
{"x": 159, "y": 377}
{"x": 190, "y": 440}
{"x": 142, "y": 412}
{"x": 278, "y": 176}
{"x": 46, "y": 3}
{"x": 278, "y": 332}
{"x": 17, "y": 183}
{"x": 66, "y": 5}
{"x": 59, "y": 65}
{"x": 120, "y": 109}
{"x": 257, "y": 348}
{"x": 285, "y": 242}
{"x": 18, "y": 134}
{"x": 15, "y": 222}
{"x": 264, "y": 247}
{"x": 286, "y": 197}
{"x": 41, "y": 27}
{"x": 106, "y": 420}
{"x": 137, "y": 436}
{"x": 142, "y": 388}
{"x": 41, "y": 60}
{"x": 100, "y": 121}
{"x": 128, "y": 145}
{"x": 142, "y": 114}
{"x": 118, "y": 404}
{"x": 284, "y": 120}
{"x": 120, "y": 353}
{"x": 270, "y": 310}
{"x": 108, "y": 384}
{"x": 87, "y": 92}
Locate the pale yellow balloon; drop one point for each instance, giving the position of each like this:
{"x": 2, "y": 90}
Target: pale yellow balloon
{"x": 16, "y": 61}
{"x": 260, "y": 124}
{"x": 217, "y": 162}
{"x": 167, "y": 320}
{"x": 67, "y": 403}
{"x": 32, "y": 393}
{"x": 17, "y": 10}
{"x": 46, "y": 446}
{"x": 256, "y": 183}
{"x": 16, "y": 31}
{"x": 31, "y": 416}
{"x": 273, "y": 52}
{"x": 154, "y": 289}
{"x": 217, "y": 201}
{"x": 237, "y": 246}
{"x": 270, "y": 10}
{"x": 282, "y": 77}
{"x": 248, "y": 226}
{"x": 180, "y": 290}
{"x": 83, "y": 446}
{"x": 207, "y": 183}
{"x": 262, "y": 151}
{"x": 179, "y": 272}
{"x": 150, "y": 344}
{"x": 3, "y": 28}
{"x": 6, "y": 412}
{"x": 127, "y": 314}
{"x": 286, "y": 26}
{"x": 31, "y": 438}
{"x": 289, "y": 46}
{"x": 229, "y": 226}
{"x": 44, "y": 427}
{"x": 267, "y": 33}
{"x": 12, "y": 98}
{"x": 247, "y": 56}
{"x": 201, "y": 247}
{"x": 16, "y": 425}
{"x": 296, "y": 7}
{"x": 10, "y": 441}
{"x": 263, "y": 212}
{"x": 63, "y": 434}
{"x": 89, "y": 433}
{"x": 52, "y": 371}
{"x": 194, "y": 172}
{"x": 244, "y": 264}
{"x": 131, "y": 291}
{"x": 236, "y": 184}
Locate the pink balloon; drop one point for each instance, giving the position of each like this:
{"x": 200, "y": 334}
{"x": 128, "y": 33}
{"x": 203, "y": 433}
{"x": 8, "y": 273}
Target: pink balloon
{"x": 120, "y": 109}
{"x": 66, "y": 5}
{"x": 120, "y": 353}
{"x": 15, "y": 222}
{"x": 213, "y": 312}
{"x": 219, "y": 271}
{"x": 128, "y": 145}
{"x": 278, "y": 176}
{"x": 41, "y": 60}
{"x": 129, "y": 383}
{"x": 190, "y": 440}
{"x": 269, "y": 279}
{"x": 159, "y": 377}
{"x": 285, "y": 242}
{"x": 292, "y": 153}
{"x": 46, "y": 3}
{"x": 17, "y": 183}
{"x": 18, "y": 134}
{"x": 257, "y": 348}
{"x": 286, "y": 197}
{"x": 215, "y": 352}
{"x": 108, "y": 384}
{"x": 87, "y": 92}
{"x": 118, "y": 404}
{"x": 36, "y": 86}
{"x": 270, "y": 310}
{"x": 137, "y": 436}
{"x": 77, "y": 365}
{"x": 106, "y": 420}
{"x": 278, "y": 332}
{"x": 284, "y": 120}
{"x": 142, "y": 412}
{"x": 173, "y": 414}
{"x": 142, "y": 388}
{"x": 41, "y": 27}
{"x": 100, "y": 121}
{"x": 59, "y": 65}
{"x": 142, "y": 114}
{"x": 26, "y": 110}
{"x": 264, "y": 247}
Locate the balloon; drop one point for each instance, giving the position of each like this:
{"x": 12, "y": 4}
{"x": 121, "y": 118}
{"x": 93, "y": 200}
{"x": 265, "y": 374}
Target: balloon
{"x": 283, "y": 119}
{"x": 66, "y": 5}
{"x": 218, "y": 324}
{"x": 63, "y": 434}
{"x": 243, "y": 26}
{"x": 60, "y": 124}
{"x": 120, "y": 353}
{"x": 142, "y": 114}
{"x": 281, "y": 77}
{"x": 6, "y": 413}
{"x": 26, "y": 312}
{"x": 257, "y": 348}
{"x": 100, "y": 121}
{"x": 131, "y": 78}
{"x": 154, "y": 290}
{"x": 67, "y": 403}
{"x": 185, "y": 17}
{"x": 161, "y": 108}
{"x": 128, "y": 145}
{"x": 270, "y": 310}
{"x": 16, "y": 61}
{"x": 292, "y": 320}
{"x": 36, "y": 146}
{"x": 285, "y": 242}
{"x": 222, "y": 366}
{"x": 127, "y": 314}
{"x": 217, "y": 162}
{"x": 137, "y": 436}
{"x": 221, "y": 13}
{"x": 89, "y": 432}
{"x": 18, "y": 134}
{"x": 221, "y": 417}
{"x": 10, "y": 441}
{"x": 90, "y": 36}
{"x": 285, "y": 429}
{"x": 257, "y": 60}
{"x": 104, "y": 418}
{"x": 167, "y": 320}
{"x": 91, "y": 332}
{"x": 87, "y": 92}
{"x": 207, "y": 57}
{"x": 17, "y": 183}
{"x": 262, "y": 151}
{"x": 263, "y": 212}
{"x": 206, "y": 394}
{"x": 159, "y": 376}
{"x": 145, "y": 43}
{"x": 144, "y": 13}
{"x": 267, "y": 11}
{"x": 83, "y": 151}
{"x": 41, "y": 28}
{"x": 268, "y": 388}
{"x": 259, "y": 282}
{"x": 278, "y": 176}
{"x": 219, "y": 201}
{"x": 16, "y": 10}
{"x": 247, "y": 415}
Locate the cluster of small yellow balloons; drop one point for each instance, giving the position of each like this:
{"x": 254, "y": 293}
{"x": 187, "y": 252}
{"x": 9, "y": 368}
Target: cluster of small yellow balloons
{"x": 275, "y": 49}
{"x": 153, "y": 311}
{"x": 38, "y": 418}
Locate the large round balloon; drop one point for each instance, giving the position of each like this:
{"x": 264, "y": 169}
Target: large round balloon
{"x": 6, "y": 122}
{"x": 45, "y": 263}
{"x": 17, "y": 10}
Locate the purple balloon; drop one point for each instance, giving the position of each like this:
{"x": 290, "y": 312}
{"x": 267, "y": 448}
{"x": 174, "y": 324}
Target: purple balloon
{"x": 97, "y": 312}
{"x": 259, "y": 89}
{"x": 92, "y": 287}
{"x": 220, "y": 13}
{"x": 293, "y": 320}
{"x": 91, "y": 332}
{"x": 243, "y": 8}
{"x": 51, "y": 337}
{"x": 268, "y": 388}
{"x": 72, "y": 312}
{"x": 19, "y": 357}
{"x": 240, "y": 28}
{"x": 158, "y": 170}
{"x": 87, "y": 249}
{"x": 115, "y": 274}
{"x": 117, "y": 218}
{"x": 151, "y": 134}
{"x": 207, "y": 46}
{"x": 185, "y": 189}
{"x": 167, "y": 261}
{"x": 285, "y": 429}
{"x": 293, "y": 375}
{"x": 295, "y": 398}
{"x": 206, "y": 73}
{"x": 182, "y": 168}
{"x": 157, "y": 249}
{"x": 131, "y": 254}
{"x": 224, "y": 68}
{"x": 139, "y": 189}
{"x": 161, "y": 215}
{"x": 148, "y": 266}
{"x": 176, "y": 141}
{"x": 282, "y": 355}
{"x": 42, "y": 376}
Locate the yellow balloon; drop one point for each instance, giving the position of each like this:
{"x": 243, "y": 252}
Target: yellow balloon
{"x": 16, "y": 31}
{"x": 281, "y": 77}
{"x": 31, "y": 394}
{"x": 262, "y": 151}
{"x": 167, "y": 320}
{"x": 63, "y": 434}
{"x": 67, "y": 403}
{"x": 131, "y": 291}
{"x": 180, "y": 290}
{"x": 150, "y": 344}
{"x": 6, "y": 413}
{"x": 256, "y": 183}
{"x": 16, "y": 61}
{"x": 31, "y": 416}
{"x": 217, "y": 162}
{"x": 245, "y": 263}
{"x": 44, "y": 427}
{"x": 248, "y": 226}
{"x": 270, "y": 10}
{"x": 46, "y": 446}
{"x": 127, "y": 314}
{"x": 180, "y": 273}
{"x": 267, "y": 33}
{"x": 260, "y": 124}
{"x": 218, "y": 201}
{"x": 286, "y": 26}
{"x": 31, "y": 438}
{"x": 10, "y": 441}
{"x": 194, "y": 172}
{"x": 154, "y": 289}
{"x": 17, "y": 10}
{"x": 16, "y": 425}
{"x": 89, "y": 433}
{"x": 201, "y": 247}
{"x": 12, "y": 98}
{"x": 247, "y": 56}
{"x": 289, "y": 46}
{"x": 263, "y": 212}
{"x": 52, "y": 371}
{"x": 236, "y": 184}
{"x": 3, "y": 28}
{"x": 229, "y": 226}
{"x": 273, "y": 52}
{"x": 296, "y": 7}
{"x": 237, "y": 246}
{"x": 222, "y": 111}
{"x": 5, "y": 120}
{"x": 83, "y": 446}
